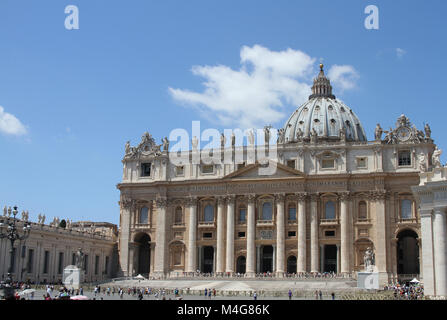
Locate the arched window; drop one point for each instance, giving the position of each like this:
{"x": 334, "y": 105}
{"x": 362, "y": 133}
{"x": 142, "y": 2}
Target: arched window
{"x": 362, "y": 214}
{"x": 242, "y": 215}
{"x": 178, "y": 219}
{"x": 144, "y": 215}
{"x": 267, "y": 212}
{"x": 329, "y": 211}
{"x": 405, "y": 208}
{"x": 209, "y": 213}
{"x": 292, "y": 212}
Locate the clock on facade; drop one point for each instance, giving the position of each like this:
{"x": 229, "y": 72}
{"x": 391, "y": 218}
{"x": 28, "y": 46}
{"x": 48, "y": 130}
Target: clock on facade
{"x": 403, "y": 134}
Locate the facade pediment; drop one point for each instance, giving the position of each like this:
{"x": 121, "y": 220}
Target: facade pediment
{"x": 272, "y": 170}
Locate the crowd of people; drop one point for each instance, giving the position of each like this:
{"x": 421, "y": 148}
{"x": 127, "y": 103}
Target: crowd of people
{"x": 263, "y": 275}
{"x": 406, "y": 291}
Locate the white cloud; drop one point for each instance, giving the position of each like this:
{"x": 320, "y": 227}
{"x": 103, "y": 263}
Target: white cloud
{"x": 400, "y": 52}
{"x": 256, "y": 94}
{"x": 343, "y": 77}
{"x": 9, "y": 124}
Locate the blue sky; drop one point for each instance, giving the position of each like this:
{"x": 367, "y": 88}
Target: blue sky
{"x": 81, "y": 94}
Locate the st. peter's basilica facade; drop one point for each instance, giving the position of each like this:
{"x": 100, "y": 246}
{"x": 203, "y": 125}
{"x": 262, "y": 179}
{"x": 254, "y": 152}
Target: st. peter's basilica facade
{"x": 333, "y": 195}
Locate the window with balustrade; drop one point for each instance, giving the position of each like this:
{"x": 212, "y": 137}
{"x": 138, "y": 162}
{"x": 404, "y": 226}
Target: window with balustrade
{"x": 242, "y": 216}
{"x": 329, "y": 210}
{"x": 144, "y": 216}
{"x": 291, "y": 212}
{"x": 267, "y": 211}
{"x": 178, "y": 215}
{"x": 362, "y": 211}
{"x": 208, "y": 213}
{"x": 406, "y": 208}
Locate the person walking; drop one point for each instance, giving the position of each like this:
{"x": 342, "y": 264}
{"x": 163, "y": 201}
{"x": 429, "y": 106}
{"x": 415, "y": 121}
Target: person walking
{"x": 333, "y": 296}
{"x": 206, "y": 293}
{"x": 321, "y": 295}
{"x": 316, "y": 294}
{"x": 290, "y": 294}
{"x": 255, "y": 296}
{"x": 209, "y": 293}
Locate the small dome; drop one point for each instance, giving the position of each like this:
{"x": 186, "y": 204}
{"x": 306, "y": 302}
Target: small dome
{"x": 323, "y": 112}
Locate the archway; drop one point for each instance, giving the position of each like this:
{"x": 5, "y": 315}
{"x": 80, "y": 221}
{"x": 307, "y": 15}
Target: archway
{"x": 330, "y": 258}
{"x": 208, "y": 259}
{"x": 267, "y": 259}
{"x": 407, "y": 252}
{"x": 144, "y": 253}
{"x": 240, "y": 264}
{"x": 291, "y": 264}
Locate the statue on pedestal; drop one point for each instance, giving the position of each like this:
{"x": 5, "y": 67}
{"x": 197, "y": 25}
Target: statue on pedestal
{"x": 427, "y": 131}
{"x": 436, "y": 158}
{"x": 299, "y": 135}
{"x": 79, "y": 259}
{"x": 251, "y": 137}
{"x": 369, "y": 260}
{"x": 378, "y": 133}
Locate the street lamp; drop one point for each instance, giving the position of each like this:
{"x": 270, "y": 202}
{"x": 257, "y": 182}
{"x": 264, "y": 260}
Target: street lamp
{"x": 12, "y": 234}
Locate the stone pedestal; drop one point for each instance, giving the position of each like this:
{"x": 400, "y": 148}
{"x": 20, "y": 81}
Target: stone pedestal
{"x": 368, "y": 280}
{"x": 73, "y": 277}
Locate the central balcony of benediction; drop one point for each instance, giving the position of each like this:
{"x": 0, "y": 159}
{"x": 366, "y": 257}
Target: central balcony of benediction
{"x": 264, "y": 223}
{"x": 329, "y": 222}
{"x": 207, "y": 224}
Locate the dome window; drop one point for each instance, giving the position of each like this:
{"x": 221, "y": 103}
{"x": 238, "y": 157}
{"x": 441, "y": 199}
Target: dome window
{"x": 333, "y": 121}
{"x": 348, "y": 123}
{"x": 301, "y": 122}
{"x": 316, "y": 120}
{"x": 317, "y": 108}
{"x": 330, "y": 108}
{"x": 342, "y": 109}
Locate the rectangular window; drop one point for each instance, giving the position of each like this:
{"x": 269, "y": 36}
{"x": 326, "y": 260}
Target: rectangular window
{"x": 96, "y": 264}
{"x": 73, "y": 259}
{"x": 242, "y": 215}
{"x": 291, "y": 164}
{"x": 241, "y": 234}
{"x": 146, "y": 169}
{"x": 406, "y": 208}
{"x": 23, "y": 251}
{"x": 207, "y": 168}
{"x": 60, "y": 267}
{"x": 208, "y": 235}
{"x": 404, "y": 158}
{"x": 106, "y": 271}
{"x": 361, "y": 163}
{"x": 291, "y": 234}
{"x": 329, "y": 233}
{"x": 86, "y": 263}
{"x": 29, "y": 265}
{"x": 292, "y": 214}
{"x": 180, "y": 170}
{"x": 46, "y": 261}
{"x": 328, "y": 163}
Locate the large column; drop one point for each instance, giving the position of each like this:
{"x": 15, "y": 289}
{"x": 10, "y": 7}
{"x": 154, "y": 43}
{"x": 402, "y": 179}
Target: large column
{"x": 344, "y": 230}
{"x": 381, "y": 236}
{"x": 427, "y": 256}
{"x": 230, "y": 235}
{"x": 220, "y": 236}
{"x": 280, "y": 236}
{"x": 192, "y": 236}
{"x": 160, "y": 242}
{"x": 439, "y": 236}
{"x": 251, "y": 236}
{"x": 126, "y": 207}
{"x": 301, "y": 232}
{"x": 314, "y": 258}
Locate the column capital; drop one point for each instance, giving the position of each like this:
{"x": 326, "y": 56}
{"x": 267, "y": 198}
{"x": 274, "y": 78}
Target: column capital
{"x": 301, "y": 196}
{"x": 378, "y": 195}
{"x": 127, "y": 202}
{"x": 161, "y": 202}
{"x": 314, "y": 197}
{"x": 191, "y": 201}
{"x": 230, "y": 198}
{"x": 251, "y": 198}
{"x": 280, "y": 197}
{"x": 221, "y": 200}
{"x": 345, "y": 196}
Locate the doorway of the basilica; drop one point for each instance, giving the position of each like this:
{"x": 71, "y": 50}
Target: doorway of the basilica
{"x": 208, "y": 259}
{"x": 291, "y": 264}
{"x": 330, "y": 258}
{"x": 240, "y": 265}
{"x": 407, "y": 252}
{"x": 267, "y": 259}
{"x": 144, "y": 253}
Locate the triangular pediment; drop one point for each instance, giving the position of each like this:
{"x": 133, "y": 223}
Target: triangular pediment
{"x": 258, "y": 171}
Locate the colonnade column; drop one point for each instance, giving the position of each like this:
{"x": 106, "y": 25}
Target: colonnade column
{"x": 230, "y": 235}
{"x": 251, "y": 235}
{"x": 301, "y": 232}
{"x": 381, "y": 236}
{"x": 439, "y": 237}
{"x": 192, "y": 236}
{"x": 344, "y": 226}
{"x": 220, "y": 246}
{"x": 280, "y": 236}
{"x": 160, "y": 242}
{"x": 314, "y": 258}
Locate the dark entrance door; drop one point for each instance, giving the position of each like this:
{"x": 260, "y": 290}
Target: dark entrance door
{"x": 291, "y": 264}
{"x": 208, "y": 259}
{"x": 330, "y": 258}
{"x": 240, "y": 264}
{"x": 267, "y": 259}
{"x": 144, "y": 254}
{"x": 407, "y": 253}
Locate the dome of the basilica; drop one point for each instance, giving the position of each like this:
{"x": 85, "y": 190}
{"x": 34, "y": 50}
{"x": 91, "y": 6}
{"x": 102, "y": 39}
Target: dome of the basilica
{"x": 323, "y": 116}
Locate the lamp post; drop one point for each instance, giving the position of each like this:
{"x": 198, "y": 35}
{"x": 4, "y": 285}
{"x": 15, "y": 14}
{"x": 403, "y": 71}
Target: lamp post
{"x": 12, "y": 234}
